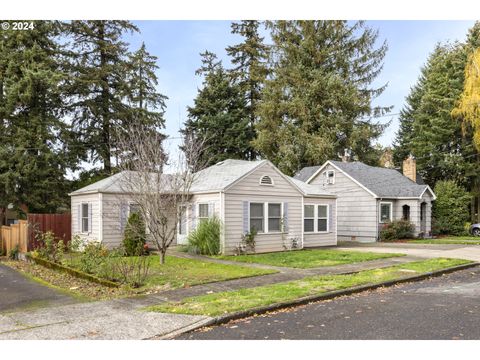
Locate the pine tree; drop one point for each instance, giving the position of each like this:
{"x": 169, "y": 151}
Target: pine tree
{"x": 250, "y": 68}
{"x": 32, "y": 156}
{"x": 99, "y": 68}
{"x": 318, "y": 100}
{"x": 218, "y": 118}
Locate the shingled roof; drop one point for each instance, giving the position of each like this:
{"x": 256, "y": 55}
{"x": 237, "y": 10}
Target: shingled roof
{"x": 383, "y": 182}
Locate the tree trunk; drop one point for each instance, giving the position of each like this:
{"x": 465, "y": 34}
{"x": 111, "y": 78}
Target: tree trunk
{"x": 162, "y": 256}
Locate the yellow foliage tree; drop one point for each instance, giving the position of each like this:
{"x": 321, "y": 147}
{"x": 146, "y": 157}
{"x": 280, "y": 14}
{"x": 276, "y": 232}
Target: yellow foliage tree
{"x": 468, "y": 107}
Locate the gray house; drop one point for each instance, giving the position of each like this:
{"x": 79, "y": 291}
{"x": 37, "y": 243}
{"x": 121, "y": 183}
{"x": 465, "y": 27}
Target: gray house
{"x": 368, "y": 197}
{"x": 243, "y": 194}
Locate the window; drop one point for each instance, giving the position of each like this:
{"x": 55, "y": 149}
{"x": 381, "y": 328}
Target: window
{"x": 274, "y": 217}
{"x": 85, "y": 225}
{"x": 315, "y": 218}
{"x": 329, "y": 176}
{"x": 385, "y": 212}
{"x": 134, "y": 208}
{"x": 202, "y": 212}
{"x": 309, "y": 218}
{"x": 406, "y": 212}
{"x": 257, "y": 216}
{"x": 322, "y": 218}
{"x": 266, "y": 180}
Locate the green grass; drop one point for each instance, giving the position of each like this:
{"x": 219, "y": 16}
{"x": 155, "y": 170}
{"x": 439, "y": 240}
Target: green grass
{"x": 244, "y": 299}
{"x": 304, "y": 259}
{"x": 459, "y": 240}
{"x": 179, "y": 272}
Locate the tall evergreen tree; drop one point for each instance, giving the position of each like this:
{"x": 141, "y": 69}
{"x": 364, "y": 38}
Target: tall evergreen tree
{"x": 99, "y": 87}
{"x": 250, "y": 70}
{"x": 318, "y": 100}
{"x": 32, "y": 156}
{"x": 218, "y": 118}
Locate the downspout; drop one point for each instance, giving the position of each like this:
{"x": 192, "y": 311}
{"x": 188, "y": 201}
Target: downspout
{"x": 222, "y": 217}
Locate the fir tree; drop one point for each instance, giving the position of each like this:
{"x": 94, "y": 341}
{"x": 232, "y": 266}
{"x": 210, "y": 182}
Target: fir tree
{"x": 250, "y": 68}
{"x": 33, "y": 160}
{"x": 318, "y": 100}
{"x": 218, "y": 118}
{"x": 99, "y": 69}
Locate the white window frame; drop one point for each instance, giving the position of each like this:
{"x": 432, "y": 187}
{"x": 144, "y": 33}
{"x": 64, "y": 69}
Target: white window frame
{"x": 309, "y": 218}
{"x": 380, "y": 212}
{"x": 266, "y": 225}
{"x": 267, "y": 218}
{"x": 316, "y": 218}
{"x": 327, "y": 177}
{"x": 327, "y": 217}
{"x": 201, "y": 218}
{"x": 82, "y": 217}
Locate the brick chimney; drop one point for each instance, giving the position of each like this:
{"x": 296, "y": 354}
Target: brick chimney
{"x": 410, "y": 168}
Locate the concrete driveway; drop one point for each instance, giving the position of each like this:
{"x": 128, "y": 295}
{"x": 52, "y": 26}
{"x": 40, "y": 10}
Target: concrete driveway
{"x": 16, "y": 292}
{"x": 468, "y": 252}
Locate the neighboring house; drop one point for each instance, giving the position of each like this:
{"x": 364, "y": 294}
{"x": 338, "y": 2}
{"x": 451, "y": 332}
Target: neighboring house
{"x": 243, "y": 194}
{"x": 368, "y": 197}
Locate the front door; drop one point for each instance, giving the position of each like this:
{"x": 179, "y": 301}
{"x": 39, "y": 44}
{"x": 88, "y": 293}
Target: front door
{"x": 182, "y": 226}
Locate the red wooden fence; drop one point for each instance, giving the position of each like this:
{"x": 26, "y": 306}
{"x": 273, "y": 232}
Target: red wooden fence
{"x": 59, "y": 224}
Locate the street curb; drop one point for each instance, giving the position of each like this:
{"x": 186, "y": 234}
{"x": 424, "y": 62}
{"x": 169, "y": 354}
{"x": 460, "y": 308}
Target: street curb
{"x": 307, "y": 299}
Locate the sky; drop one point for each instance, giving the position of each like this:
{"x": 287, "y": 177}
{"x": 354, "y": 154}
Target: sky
{"x": 177, "y": 44}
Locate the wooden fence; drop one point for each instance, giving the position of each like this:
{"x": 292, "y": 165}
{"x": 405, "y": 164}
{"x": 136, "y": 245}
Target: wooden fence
{"x": 24, "y": 234}
{"x": 13, "y": 235}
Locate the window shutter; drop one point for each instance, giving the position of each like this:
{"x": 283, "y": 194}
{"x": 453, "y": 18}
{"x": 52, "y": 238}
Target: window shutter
{"x": 193, "y": 215}
{"x": 245, "y": 217}
{"x": 211, "y": 209}
{"x": 123, "y": 216}
{"x": 89, "y": 217}
{"x": 79, "y": 218}
{"x": 331, "y": 210}
{"x": 285, "y": 217}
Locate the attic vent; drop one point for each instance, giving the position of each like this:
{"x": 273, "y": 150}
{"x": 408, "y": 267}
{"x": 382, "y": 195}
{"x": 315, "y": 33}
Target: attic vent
{"x": 266, "y": 180}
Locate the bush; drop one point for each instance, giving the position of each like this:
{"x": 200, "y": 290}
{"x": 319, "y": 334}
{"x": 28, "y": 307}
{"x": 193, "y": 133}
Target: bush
{"x": 49, "y": 248}
{"x": 132, "y": 271}
{"x": 134, "y": 237}
{"x": 396, "y": 230}
{"x": 451, "y": 208}
{"x": 93, "y": 257}
{"x": 13, "y": 254}
{"x": 205, "y": 239}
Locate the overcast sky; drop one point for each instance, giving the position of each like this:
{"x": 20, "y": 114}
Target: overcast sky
{"x": 177, "y": 45}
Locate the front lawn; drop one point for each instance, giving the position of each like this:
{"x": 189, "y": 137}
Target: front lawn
{"x": 459, "y": 240}
{"x": 304, "y": 259}
{"x": 244, "y": 299}
{"x": 179, "y": 272}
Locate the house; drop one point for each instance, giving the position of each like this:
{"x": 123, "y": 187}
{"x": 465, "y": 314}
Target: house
{"x": 368, "y": 197}
{"x": 242, "y": 194}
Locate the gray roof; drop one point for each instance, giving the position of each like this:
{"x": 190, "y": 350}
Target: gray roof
{"x": 214, "y": 178}
{"x": 383, "y": 182}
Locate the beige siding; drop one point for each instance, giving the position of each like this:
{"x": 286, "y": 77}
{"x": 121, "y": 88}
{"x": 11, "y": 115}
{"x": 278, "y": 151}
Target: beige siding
{"x": 94, "y": 200}
{"x": 112, "y": 232}
{"x": 211, "y": 198}
{"x": 322, "y": 239}
{"x": 356, "y": 208}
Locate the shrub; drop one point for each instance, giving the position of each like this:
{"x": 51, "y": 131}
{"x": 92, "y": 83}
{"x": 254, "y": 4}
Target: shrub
{"x": 13, "y": 254}
{"x": 94, "y": 255}
{"x": 451, "y": 208}
{"x": 396, "y": 230}
{"x": 132, "y": 271}
{"x": 205, "y": 239}
{"x": 49, "y": 248}
{"x": 134, "y": 237}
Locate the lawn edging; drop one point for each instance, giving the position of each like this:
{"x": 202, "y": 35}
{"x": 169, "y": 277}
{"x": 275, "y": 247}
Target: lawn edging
{"x": 71, "y": 271}
{"x": 218, "y": 320}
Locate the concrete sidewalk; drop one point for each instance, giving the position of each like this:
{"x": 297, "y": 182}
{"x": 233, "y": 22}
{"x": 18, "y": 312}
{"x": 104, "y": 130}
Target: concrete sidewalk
{"x": 460, "y": 251}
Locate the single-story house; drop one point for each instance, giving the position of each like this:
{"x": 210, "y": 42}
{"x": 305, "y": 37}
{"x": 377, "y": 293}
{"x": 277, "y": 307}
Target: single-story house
{"x": 369, "y": 196}
{"x": 242, "y": 194}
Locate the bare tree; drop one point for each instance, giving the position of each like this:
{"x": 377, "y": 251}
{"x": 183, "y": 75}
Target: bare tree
{"x": 158, "y": 195}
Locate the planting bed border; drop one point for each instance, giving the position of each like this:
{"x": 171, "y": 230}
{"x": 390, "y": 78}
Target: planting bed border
{"x": 74, "y": 272}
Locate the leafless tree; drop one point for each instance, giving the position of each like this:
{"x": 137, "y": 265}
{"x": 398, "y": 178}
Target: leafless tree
{"x": 158, "y": 195}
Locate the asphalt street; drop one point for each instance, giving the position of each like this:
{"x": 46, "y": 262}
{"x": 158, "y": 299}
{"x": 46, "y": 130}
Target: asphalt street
{"x": 446, "y": 307}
